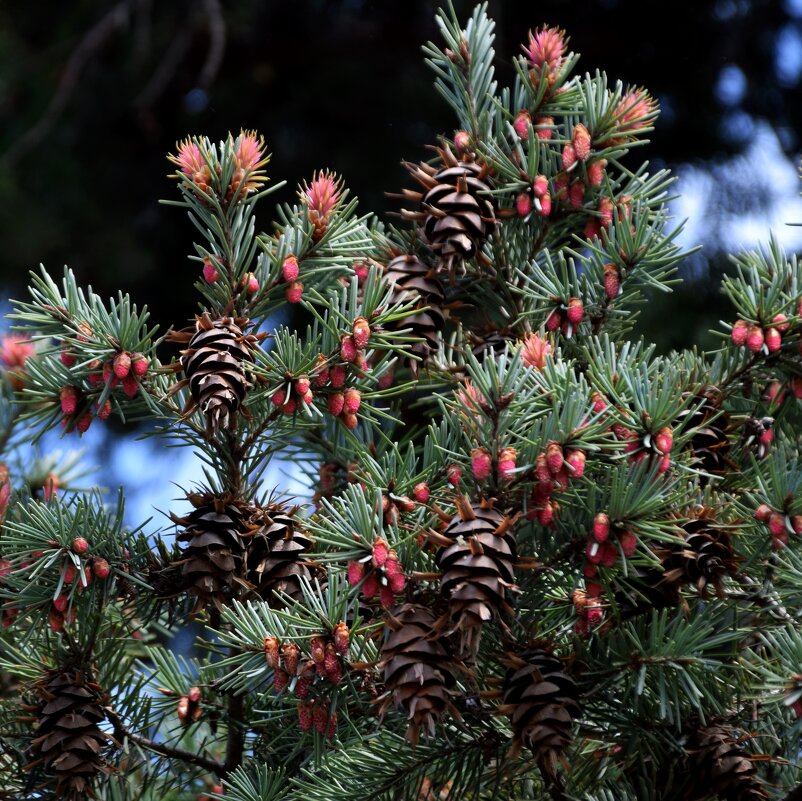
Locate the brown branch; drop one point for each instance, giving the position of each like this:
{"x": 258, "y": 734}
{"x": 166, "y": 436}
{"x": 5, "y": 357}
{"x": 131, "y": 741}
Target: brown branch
{"x": 172, "y": 752}
{"x": 236, "y": 735}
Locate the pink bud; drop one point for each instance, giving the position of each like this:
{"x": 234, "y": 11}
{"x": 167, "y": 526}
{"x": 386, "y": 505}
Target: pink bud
{"x": 545, "y": 515}
{"x": 454, "y": 474}
{"x": 780, "y": 541}
{"x": 130, "y": 386}
{"x": 83, "y": 423}
{"x": 554, "y": 320}
{"x": 601, "y": 527}
{"x": 605, "y": 210}
{"x": 540, "y": 186}
{"x": 523, "y": 204}
{"x": 289, "y": 406}
{"x": 569, "y": 157}
{"x": 596, "y": 172}
{"x": 272, "y": 655}
{"x": 279, "y": 397}
{"x": 397, "y": 582}
{"x": 67, "y": 358}
{"x": 576, "y": 463}
{"x": 796, "y": 524}
{"x": 609, "y": 555}
{"x": 780, "y": 322}
{"x": 331, "y": 665}
{"x": 280, "y": 680}
{"x": 341, "y": 638}
{"x": 544, "y": 128}
{"x": 55, "y": 621}
{"x": 291, "y": 653}
{"x": 481, "y": 464}
{"x": 545, "y": 205}
{"x": 294, "y": 292}
{"x": 754, "y": 338}
{"x": 351, "y": 401}
{"x": 665, "y": 465}
{"x": 356, "y": 572}
{"x": 304, "y": 717}
{"x": 80, "y": 545}
{"x": 371, "y": 586}
{"x": 69, "y": 400}
{"x": 599, "y": 404}
{"x": 351, "y": 421}
{"x": 763, "y": 513}
{"x": 210, "y": 274}
{"x": 576, "y": 195}
{"x": 628, "y": 542}
{"x": 101, "y": 568}
{"x": 380, "y": 551}
{"x": 361, "y": 271}
{"x": 612, "y": 281}
{"x": 290, "y": 269}
{"x": 337, "y": 376}
{"x": 317, "y": 650}
{"x": 593, "y": 552}
{"x": 773, "y": 339}
{"x": 302, "y": 385}
{"x": 251, "y": 284}
{"x": 421, "y": 492}
{"x": 336, "y": 403}
{"x": 581, "y": 142}
{"x": 663, "y": 440}
{"x": 575, "y": 311}
{"x": 595, "y": 616}
{"x": 507, "y": 463}
{"x": 361, "y": 333}
{"x": 139, "y": 364}
{"x": 776, "y": 524}
{"x": 122, "y": 364}
{"x": 348, "y": 349}
{"x": 740, "y": 332}
{"x": 522, "y": 123}
{"x": 554, "y": 457}
{"x": 462, "y": 141}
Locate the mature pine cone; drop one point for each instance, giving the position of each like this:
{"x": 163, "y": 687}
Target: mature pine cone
{"x": 214, "y": 363}
{"x": 719, "y": 765}
{"x": 414, "y": 281}
{"x": 476, "y": 558}
{"x": 274, "y": 553}
{"x": 709, "y": 443}
{"x": 540, "y": 699}
{"x": 457, "y": 214}
{"x": 417, "y": 670}
{"x": 645, "y": 589}
{"x": 212, "y": 561}
{"x": 68, "y": 738}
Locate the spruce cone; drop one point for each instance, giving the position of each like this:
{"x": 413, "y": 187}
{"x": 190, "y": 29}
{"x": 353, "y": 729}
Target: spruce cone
{"x": 457, "y": 214}
{"x": 214, "y": 363}
{"x": 417, "y": 670}
{"x": 68, "y": 738}
{"x": 413, "y": 280}
{"x": 709, "y": 443}
{"x": 719, "y": 765}
{"x": 274, "y": 552}
{"x": 476, "y": 559}
{"x": 647, "y": 588}
{"x": 212, "y": 561}
{"x": 540, "y": 699}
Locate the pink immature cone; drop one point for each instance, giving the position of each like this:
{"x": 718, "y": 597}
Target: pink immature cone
{"x": 546, "y": 47}
{"x": 280, "y": 680}
{"x": 481, "y": 464}
{"x": 210, "y": 273}
{"x": 534, "y": 351}
{"x": 341, "y": 638}
{"x": 595, "y": 615}
{"x": 421, "y": 492}
{"x": 292, "y": 654}
{"x": 101, "y": 568}
{"x": 130, "y": 385}
{"x": 763, "y": 513}
{"x": 522, "y": 123}
{"x": 80, "y": 546}
{"x": 544, "y": 128}
{"x": 581, "y": 142}
{"x": 664, "y": 440}
{"x": 596, "y": 172}
{"x": 317, "y": 650}
{"x": 506, "y": 463}
{"x": 83, "y": 422}
{"x": 628, "y": 542}
{"x": 336, "y": 403}
{"x": 575, "y": 311}
{"x": 554, "y": 320}
{"x": 304, "y": 717}
{"x": 67, "y": 358}
{"x": 462, "y": 141}
{"x": 380, "y": 551}
{"x": 139, "y": 364}
{"x": 348, "y": 349}
{"x": 68, "y": 397}
{"x": 796, "y": 524}
{"x": 356, "y": 572}
{"x": 773, "y": 339}
{"x": 361, "y": 333}
{"x": 609, "y": 555}
{"x": 454, "y": 474}
{"x": 543, "y": 205}
{"x": 272, "y": 655}
{"x": 754, "y": 338}
{"x": 523, "y": 204}
{"x": 352, "y": 401}
{"x": 350, "y": 421}
{"x": 576, "y": 463}
{"x": 331, "y": 665}
{"x": 780, "y": 322}
{"x": 576, "y": 194}
{"x": 569, "y": 157}
{"x": 601, "y": 527}
{"x": 294, "y": 292}
{"x": 776, "y": 524}
{"x": 796, "y": 386}
{"x": 290, "y": 269}
{"x": 554, "y": 457}
{"x": 612, "y": 281}
{"x": 122, "y": 364}
{"x": 337, "y": 376}
{"x": 740, "y": 333}
{"x": 251, "y": 284}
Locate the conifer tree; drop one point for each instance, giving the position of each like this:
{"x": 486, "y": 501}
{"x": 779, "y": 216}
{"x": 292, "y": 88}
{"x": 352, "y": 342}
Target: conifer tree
{"x": 532, "y": 557}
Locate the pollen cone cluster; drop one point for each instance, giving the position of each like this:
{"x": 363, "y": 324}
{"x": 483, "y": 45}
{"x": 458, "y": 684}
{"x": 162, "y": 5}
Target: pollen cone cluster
{"x": 274, "y": 556}
{"x": 212, "y": 560}
{"x": 414, "y": 281}
{"x": 720, "y": 766}
{"x": 540, "y": 699}
{"x": 476, "y": 560}
{"x": 68, "y": 741}
{"x": 417, "y": 670}
{"x": 215, "y": 365}
{"x": 456, "y": 210}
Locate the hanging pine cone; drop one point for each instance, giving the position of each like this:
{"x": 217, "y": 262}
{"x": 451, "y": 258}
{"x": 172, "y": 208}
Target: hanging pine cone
{"x": 645, "y": 589}
{"x": 540, "y": 699}
{"x": 214, "y": 363}
{"x": 417, "y": 669}
{"x": 706, "y": 557}
{"x": 414, "y": 281}
{"x": 457, "y": 213}
{"x": 709, "y": 442}
{"x": 212, "y": 561}
{"x": 274, "y": 553}
{"x": 492, "y": 344}
{"x": 476, "y": 558}
{"x": 719, "y": 765}
{"x": 68, "y": 739}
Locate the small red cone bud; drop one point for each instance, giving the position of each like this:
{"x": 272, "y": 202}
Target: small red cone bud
{"x": 67, "y": 358}
{"x": 773, "y": 340}
{"x": 523, "y": 204}
{"x": 664, "y": 440}
{"x": 130, "y": 385}
{"x": 68, "y": 396}
{"x": 421, "y": 492}
{"x": 290, "y": 269}
{"x": 780, "y": 322}
{"x": 522, "y": 124}
{"x": 361, "y": 333}
{"x": 796, "y": 707}
{"x": 348, "y": 349}
{"x": 628, "y": 542}
{"x": 101, "y": 568}
{"x": 507, "y": 463}
{"x": 554, "y": 320}
{"x": 740, "y": 332}
{"x": 122, "y": 364}
{"x": 251, "y": 284}
{"x": 605, "y": 212}
{"x": 336, "y": 403}
{"x": 405, "y": 504}
{"x": 304, "y": 717}
{"x": 454, "y": 474}
{"x": 601, "y": 527}
{"x": 356, "y": 572}
{"x": 778, "y": 543}
{"x": 350, "y": 421}
{"x": 576, "y": 194}
{"x": 554, "y": 457}
{"x": 371, "y": 586}
{"x": 302, "y": 385}
{"x": 331, "y": 728}
{"x": 80, "y": 546}
{"x": 380, "y": 551}
{"x": 331, "y": 664}
{"x": 593, "y": 552}
{"x": 397, "y": 582}
{"x": 599, "y": 404}
{"x": 575, "y": 460}
{"x": 317, "y": 650}
{"x": 272, "y": 655}
{"x": 543, "y": 128}
{"x": 320, "y": 373}
{"x": 294, "y": 292}
{"x": 575, "y": 311}
{"x": 290, "y": 406}
{"x": 665, "y": 465}
{"x": 540, "y": 186}
{"x": 361, "y": 271}
{"x": 56, "y": 621}
{"x": 291, "y": 654}
{"x": 481, "y": 464}
{"x": 774, "y": 393}
{"x": 595, "y": 616}
{"x": 581, "y": 627}
{"x": 592, "y": 229}
{"x": 569, "y": 157}
{"x": 545, "y": 515}
{"x": 596, "y": 172}
{"x": 341, "y": 638}
{"x": 544, "y": 205}
{"x": 104, "y": 411}
{"x": 796, "y": 524}
{"x": 581, "y": 142}
{"x": 386, "y": 597}
{"x": 194, "y": 694}
{"x": 83, "y": 423}
{"x": 766, "y": 437}
{"x": 609, "y": 555}
{"x": 60, "y": 604}
{"x": 320, "y": 718}
{"x": 280, "y": 680}
{"x": 612, "y": 281}
{"x": 210, "y": 273}
{"x": 796, "y": 386}
{"x": 754, "y": 338}
{"x": 351, "y": 401}
{"x": 279, "y": 397}
{"x": 763, "y": 513}
{"x": 776, "y": 524}
{"x": 462, "y": 141}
